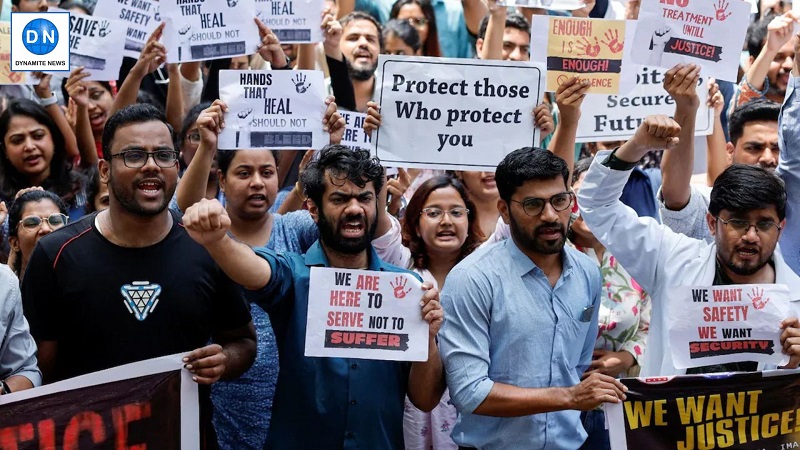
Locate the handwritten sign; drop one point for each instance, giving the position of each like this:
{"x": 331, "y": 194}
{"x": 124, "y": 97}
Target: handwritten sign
{"x": 97, "y": 44}
{"x": 705, "y": 32}
{"x": 6, "y": 75}
{"x": 140, "y": 16}
{"x": 591, "y": 48}
{"x": 442, "y": 113}
{"x": 354, "y": 136}
{"x": 616, "y": 117}
{"x": 554, "y": 5}
{"x": 199, "y": 29}
{"x": 277, "y": 109}
{"x": 722, "y": 324}
{"x": 293, "y": 21}
{"x": 365, "y": 314}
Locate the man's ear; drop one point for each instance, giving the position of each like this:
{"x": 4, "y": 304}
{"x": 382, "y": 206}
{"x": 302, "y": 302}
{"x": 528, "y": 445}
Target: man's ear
{"x": 712, "y": 224}
{"x": 504, "y": 210}
{"x": 479, "y": 46}
{"x": 104, "y": 168}
{"x": 729, "y": 149}
{"x": 313, "y": 210}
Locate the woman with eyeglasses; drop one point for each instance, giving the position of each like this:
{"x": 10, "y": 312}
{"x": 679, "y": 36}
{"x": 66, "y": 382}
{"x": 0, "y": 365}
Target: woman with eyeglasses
{"x": 419, "y": 13}
{"x": 440, "y": 229}
{"x": 34, "y": 214}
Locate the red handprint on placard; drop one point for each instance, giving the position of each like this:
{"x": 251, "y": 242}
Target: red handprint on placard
{"x": 612, "y": 41}
{"x": 757, "y": 297}
{"x": 587, "y": 48}
{"x": 12, "y": 77}
{"x": 399, "y": 287}
{"x": 721, "y": 8}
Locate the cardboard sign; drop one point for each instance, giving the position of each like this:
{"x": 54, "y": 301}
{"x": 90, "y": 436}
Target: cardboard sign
{"x": 198, "y": 30}
{"x": 292, "y": 21}
{"x": 141, "y": 17}
{"x": 276, "y": 109}
{"x": 365, "y": 314}
{"x": 354, "y": 135}
{"x": 590, "y": 48}
{"x": 458, "y": 114}
{"x": 6, "y": 75}
{"x": 97, "y": 44}
{"x": 705, "y": 32}
{"x": 721, "y": 324}
{"x": 616, "y": 117}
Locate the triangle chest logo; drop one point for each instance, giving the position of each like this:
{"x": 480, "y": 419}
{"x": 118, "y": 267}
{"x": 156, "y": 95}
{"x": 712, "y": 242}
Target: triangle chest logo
{"x": 141, "y": 298}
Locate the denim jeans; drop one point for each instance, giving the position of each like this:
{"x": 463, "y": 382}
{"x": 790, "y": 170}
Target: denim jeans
{"x": 594, "y": 422}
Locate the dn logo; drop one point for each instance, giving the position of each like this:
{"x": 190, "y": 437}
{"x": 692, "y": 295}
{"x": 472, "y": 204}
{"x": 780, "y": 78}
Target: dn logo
{"x": 40, "y": 36}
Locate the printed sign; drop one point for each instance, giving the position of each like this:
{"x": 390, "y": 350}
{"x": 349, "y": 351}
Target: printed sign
{"x": 149, "y": 404}
{"x": 6, "y": 75}
{"x": 365, "y": 314}
{"x": 40, "y": 41}
{"x": 141, "y": 17}
{"x": 199, "y": 30}
{"x": 743, "y": 411}
{"x": 590, "y": 48}
{"x": 554, "y": 5}
{"x": 616, "y": 117}
{"x": 443, "y": 113}
{"x": 97, "y": 44}
{"x": 354, "y": 136}
{"x": 278, "y": 109}
{"x": 292, "y": 21}
{"x": 720, "y": 324}
{"x": 705, "y": 32}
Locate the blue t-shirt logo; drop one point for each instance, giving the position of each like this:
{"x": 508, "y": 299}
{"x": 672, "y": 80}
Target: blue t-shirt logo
{"x": 40, "y": 36}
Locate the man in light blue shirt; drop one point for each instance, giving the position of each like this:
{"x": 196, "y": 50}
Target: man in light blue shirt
{"x": 522, "y": 320}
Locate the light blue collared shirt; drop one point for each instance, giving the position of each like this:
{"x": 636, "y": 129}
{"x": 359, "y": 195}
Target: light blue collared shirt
{"x": 506, "y": 324}
{"x": 789, "y": 170}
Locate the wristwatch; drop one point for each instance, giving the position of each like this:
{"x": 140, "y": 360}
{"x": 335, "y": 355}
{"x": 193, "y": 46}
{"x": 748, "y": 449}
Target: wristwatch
{"x": 52, "y": 100}
{"x": 4, "y": 387}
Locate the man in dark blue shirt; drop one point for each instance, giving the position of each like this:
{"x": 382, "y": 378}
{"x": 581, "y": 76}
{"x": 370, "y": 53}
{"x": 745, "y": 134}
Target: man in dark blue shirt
{"x": 324, "y": 403}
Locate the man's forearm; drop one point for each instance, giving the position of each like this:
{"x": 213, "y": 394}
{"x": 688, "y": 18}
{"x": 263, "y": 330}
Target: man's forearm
{"x": 426, "y": 382}
{"x": 240, "y": 355}
{"x": 18, "y": 383}
{"x": 505, "y": 400}
{"x": 240, "y": 263}
{"x": 757, "y": 72}
{"x": 677, "y": 164}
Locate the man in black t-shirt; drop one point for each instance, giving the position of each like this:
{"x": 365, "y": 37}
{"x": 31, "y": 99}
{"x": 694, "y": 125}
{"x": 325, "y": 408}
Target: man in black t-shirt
{"x": 128, "y": 283}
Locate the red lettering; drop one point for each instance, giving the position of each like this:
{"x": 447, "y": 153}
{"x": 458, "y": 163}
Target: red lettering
{"x": 84, "y": 421}
{"x": 345, "y": 319}
{"x": 348, "y": 299}
{"x": 122, "y": 416}
{"x": 394, "y": 340}
{"x": 336, "y": 337}
{"x": 694, "y": 347}
{"x": 367, "y": 282}
{"x": 47, "y": 434}
{"x": 10, "y": 437}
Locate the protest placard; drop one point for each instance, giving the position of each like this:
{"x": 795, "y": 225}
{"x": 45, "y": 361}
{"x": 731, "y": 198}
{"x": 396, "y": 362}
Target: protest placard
{"x": 140, "y": 16}
{"x": 555, "y": 5}
{"x": 148, "y": 404}
{"x": 292, "y": 21}
{"x": 198, "y": 30}
{"x": 590, "y": 48}
{"x": 96, "y": 43}
{"x": 442, "y": 113}
{"x": 743, "y": 411}
{"x": 354, "y": 136}
{"x": 6, "y": 75}
{"x": 365, "y": 314}
{"x": 720, "y": 324}
{"x": 277, "y": 109}
{"x": 616, "y": 117}
{"x": 705, "y": 32}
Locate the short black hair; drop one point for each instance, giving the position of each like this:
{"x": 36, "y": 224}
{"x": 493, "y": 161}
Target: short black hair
{"x": 341, "y": 163}
{"x": 404, "y": 31}
{"x": 358, "y": 15}
{"x": 15, "y": 210}
{"x": 525, "y": 164}
{"x": 132, "y": 114}
{"x": 756, "y": 110}
{"x": 757, "y": 35}
{"x": 581, "y": 166}
{"x": 225, "y": 157}
{"x": 742, "y": 188}
{"x": 513, "y": 20}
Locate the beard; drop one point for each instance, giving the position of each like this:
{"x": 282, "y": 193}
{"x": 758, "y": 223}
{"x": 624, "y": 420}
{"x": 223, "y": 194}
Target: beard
{"x": 332, "y": 236}
{"x": 744, "y": 268}
{"x": 126, "y": 197}
{"x": 360, "y": 74}
{"x": 535, "y": 244}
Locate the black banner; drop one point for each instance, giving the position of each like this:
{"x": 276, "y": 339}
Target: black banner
{"x": 694, "y": 49}
{"x": 365, "y": 339}
{"x": 578, "y": 65}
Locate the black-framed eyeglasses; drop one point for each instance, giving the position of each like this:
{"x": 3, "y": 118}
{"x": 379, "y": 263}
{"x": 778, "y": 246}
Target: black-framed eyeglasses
{"x": 534, "y": 206}
{"x": 437, "y": 214}
{"x": 136, "y": 159}
{"x": 743, "y": 226}
{"x": 55, "y": 221}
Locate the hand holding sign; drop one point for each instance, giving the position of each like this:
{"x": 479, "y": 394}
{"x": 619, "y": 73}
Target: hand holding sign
{"x": 543, "y": 119}
{"x": 432, "y": 311}
{"x": 373, "y": 120}
{"x": 681, "y": 83}
{"x": 715, "y": 97}
{"x": 153, "y": 54}
{"x": 76, "y": 87}
{"x": 790, "y": 339}
{"x": 333, "y": 122}
{"x": 595, "y": 390}
{"x": 210, "y": 123}
{"x": 569, "y": 97}
{"x": 270, "y": 47}
{"x": 207, "y": 364}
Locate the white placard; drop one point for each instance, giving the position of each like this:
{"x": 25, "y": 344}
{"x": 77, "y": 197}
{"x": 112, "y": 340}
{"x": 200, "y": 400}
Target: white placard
{"x": 198, "y": 30}
{"x": 292, "y": 21}
{"x": 616, "y": 117}
{"x": 554, "y": 5}
{"x": 275, "y": 109}
{"x": 141, "y": 16}
{"x": 720, "y": 324}
{"x": 365, "y": 314}
{"x": 96, "y": 43}
{"x": 705, "y": 32}
{"x": 458, "y": 114}
{"x": 354, "y": 135}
